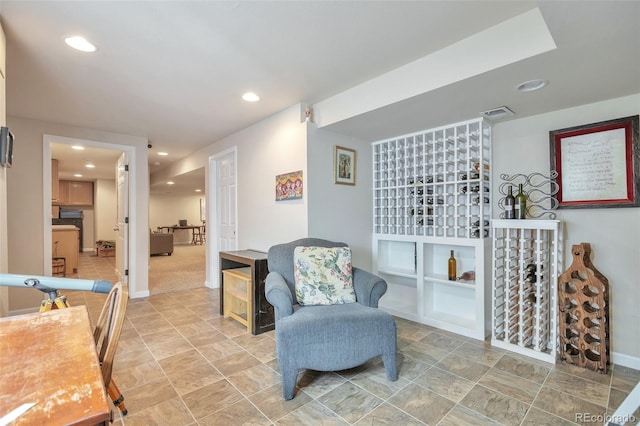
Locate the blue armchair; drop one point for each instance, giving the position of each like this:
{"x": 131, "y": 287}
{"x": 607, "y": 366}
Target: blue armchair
{"x": 327, "y": 337}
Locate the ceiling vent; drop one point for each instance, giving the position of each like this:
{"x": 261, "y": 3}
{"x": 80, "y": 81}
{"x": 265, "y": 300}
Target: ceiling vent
{"x": 498, "y": 113}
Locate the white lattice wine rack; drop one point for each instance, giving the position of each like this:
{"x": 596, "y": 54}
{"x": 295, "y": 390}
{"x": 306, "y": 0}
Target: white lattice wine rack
{"x": 434, "y": 183}
{"x": 430, "y": 197}
{"x": 527, "y": 259}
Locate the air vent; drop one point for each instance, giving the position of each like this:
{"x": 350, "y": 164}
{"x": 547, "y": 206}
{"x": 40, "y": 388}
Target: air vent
{"x": 498, "y": 113}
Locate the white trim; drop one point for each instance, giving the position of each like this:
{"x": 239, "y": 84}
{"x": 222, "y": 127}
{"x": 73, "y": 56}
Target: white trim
{"x": 625, "y": 360}
{"x": 47, "y": 140}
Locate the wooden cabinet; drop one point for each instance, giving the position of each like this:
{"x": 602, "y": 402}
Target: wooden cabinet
{"x": 65, "y": 243}
{"x": 75, "y": 193}
{"x": 55, "y": 184}
{"x": 256, "y": 262}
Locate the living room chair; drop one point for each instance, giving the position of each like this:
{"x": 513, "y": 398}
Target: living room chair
{"x": 107, "y": 335}
{"x": 326, "y": 337}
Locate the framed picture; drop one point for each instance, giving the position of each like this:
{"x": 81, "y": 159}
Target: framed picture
{"x": 289, "y": 186}
{"x": 598, "y": 164}
{"x": 344, "y": 166}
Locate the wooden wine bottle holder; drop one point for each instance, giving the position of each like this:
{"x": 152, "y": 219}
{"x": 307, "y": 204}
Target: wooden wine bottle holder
{"x": 583, "y": 297}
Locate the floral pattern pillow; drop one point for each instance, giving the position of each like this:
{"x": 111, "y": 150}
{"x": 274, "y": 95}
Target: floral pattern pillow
{"x": 323, "y": 275}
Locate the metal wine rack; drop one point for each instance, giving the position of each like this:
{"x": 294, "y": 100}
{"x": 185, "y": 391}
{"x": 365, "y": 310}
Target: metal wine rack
{"x": 527, "y": 255}
{"x": 434, "y": 183}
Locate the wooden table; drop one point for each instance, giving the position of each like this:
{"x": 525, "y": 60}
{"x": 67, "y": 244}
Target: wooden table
{"x": 50, "y": 359}
{"x": 192, "y": 227}
{"x": 262, "y": 311}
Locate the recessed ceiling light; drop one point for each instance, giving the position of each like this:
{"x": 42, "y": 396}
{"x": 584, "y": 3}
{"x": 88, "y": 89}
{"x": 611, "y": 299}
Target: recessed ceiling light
{"x": 170, "y": 183}
{"x": 77, "y": 175}
{"x": 198, "y": 190}
{"x": 251, "y": 97}
{"x": 531, "y": 85}
{"x": 164, "y": 154}
{"x": 80, "y": 43}
{"x": 90, "y": 165}
{"x": 77, "y": 147}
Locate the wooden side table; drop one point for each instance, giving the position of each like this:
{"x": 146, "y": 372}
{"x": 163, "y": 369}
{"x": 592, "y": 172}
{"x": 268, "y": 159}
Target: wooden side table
{"x": 238, "y": 297}
{"x": 262, "y": 314}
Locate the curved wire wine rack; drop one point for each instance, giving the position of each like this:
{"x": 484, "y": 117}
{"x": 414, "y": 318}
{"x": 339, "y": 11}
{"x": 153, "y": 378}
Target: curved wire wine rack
{"x": 539, "y": 189}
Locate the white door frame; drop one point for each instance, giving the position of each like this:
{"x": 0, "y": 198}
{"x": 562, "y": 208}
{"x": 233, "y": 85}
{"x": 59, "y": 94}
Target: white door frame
{"x": 47, "y": 140}
{"x": 213, "y": 248}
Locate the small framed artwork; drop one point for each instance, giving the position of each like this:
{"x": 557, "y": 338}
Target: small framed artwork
{"x": 598, "y": 164}
{"x": 289, "y": 186}
{"x": 344, "y": 166}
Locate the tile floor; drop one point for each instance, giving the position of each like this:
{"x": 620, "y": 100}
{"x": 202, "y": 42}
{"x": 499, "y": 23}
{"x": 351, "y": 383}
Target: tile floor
{"x": 181, "y": 363}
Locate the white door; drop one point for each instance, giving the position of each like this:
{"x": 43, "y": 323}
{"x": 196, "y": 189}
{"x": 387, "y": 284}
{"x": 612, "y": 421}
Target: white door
{"x": 122, "y": 227}
{"x": 226, "y": 202}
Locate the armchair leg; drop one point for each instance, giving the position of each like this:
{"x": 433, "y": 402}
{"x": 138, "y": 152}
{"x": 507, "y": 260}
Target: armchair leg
{"x": 390, "y": 366}
{"x": 289, "y": 378}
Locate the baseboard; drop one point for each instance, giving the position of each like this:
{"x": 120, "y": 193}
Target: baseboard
{"x": 24, "y": 311}
{"x": 625, "y": 360}
{"x": 139, "y": 294}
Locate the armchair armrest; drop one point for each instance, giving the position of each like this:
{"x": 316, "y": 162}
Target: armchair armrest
{"x": 278, "y": 294}
{"x": 369, "y": 288}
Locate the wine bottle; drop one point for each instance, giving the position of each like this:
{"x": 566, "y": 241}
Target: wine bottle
{"x": 453, "y": 270}
{"x": 520, "y": 204}
{"x": 475, "y": 233}
{"x": 477, "y": 223}
{"x": 509, "y": 205}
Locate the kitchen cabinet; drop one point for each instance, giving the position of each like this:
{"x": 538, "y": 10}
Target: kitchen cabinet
{"x": 75, "y": 193}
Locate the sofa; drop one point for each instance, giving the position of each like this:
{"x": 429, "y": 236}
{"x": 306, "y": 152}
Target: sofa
{"x": 160, "y": 243}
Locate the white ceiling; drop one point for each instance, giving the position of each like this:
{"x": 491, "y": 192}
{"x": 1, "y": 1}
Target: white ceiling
{"x": 175, "y": 71}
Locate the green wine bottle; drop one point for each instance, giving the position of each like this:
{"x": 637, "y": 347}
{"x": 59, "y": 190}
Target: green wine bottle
{"x": 521, "y": 204}
{"x": 509, "y": 205}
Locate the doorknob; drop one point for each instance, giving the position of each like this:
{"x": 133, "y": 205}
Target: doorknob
{"x": 115, "y": 228}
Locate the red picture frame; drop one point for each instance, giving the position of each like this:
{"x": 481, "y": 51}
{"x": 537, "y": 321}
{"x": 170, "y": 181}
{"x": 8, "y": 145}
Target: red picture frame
{"x": 598, "y": 164}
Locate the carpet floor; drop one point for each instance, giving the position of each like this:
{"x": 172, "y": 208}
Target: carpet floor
{"x": 183, "y": 270}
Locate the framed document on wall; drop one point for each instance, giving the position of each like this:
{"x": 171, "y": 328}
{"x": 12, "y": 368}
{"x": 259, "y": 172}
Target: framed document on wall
{"x": 598, "y": 164}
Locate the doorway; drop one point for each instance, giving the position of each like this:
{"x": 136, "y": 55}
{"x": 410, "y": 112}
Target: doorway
{"x": 106, "y": 155}
{"x": 222, "y": 214}
{"x": 179, "y": 232}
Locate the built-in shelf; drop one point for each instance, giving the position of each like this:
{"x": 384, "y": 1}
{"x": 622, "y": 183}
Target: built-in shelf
{"x": 431, "y": 195}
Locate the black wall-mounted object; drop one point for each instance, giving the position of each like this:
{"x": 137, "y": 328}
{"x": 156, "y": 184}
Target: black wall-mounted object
{"x": 6, "y": 147}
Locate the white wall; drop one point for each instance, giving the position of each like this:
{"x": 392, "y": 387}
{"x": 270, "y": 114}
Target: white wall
{"x": 274, "y": 146}
{"x": 25, "y": 204}
{"x": 340, "y": 212}
{"x": 522, "y": 146}
{"x": 168, "y": 209}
